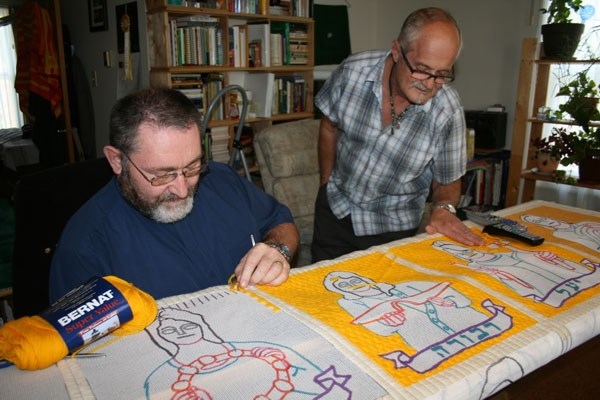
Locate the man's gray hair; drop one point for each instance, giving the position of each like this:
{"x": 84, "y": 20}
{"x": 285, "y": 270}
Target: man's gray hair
{"x": 413, "y": 24}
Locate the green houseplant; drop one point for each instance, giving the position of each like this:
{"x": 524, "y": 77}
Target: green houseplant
{"x": 561, "y": 35}
{"x": 552, "y": 149}
{"x": 582, "y": 146}
{"x": 582, "y": 100}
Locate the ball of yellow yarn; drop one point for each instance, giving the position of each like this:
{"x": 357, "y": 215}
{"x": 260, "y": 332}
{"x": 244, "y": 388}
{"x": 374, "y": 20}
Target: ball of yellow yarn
{"x": 32, "y": 342}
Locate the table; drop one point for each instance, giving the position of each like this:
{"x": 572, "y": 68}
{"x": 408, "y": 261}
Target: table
{"x": 420, "y": 318}
{"x": 16, "y": 151}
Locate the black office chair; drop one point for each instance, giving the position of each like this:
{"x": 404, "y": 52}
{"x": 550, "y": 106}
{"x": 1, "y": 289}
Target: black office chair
{"x": 44, "y": 202}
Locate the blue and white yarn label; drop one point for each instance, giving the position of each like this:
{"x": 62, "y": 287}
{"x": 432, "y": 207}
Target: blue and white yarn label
{"x": 88, "y": 313}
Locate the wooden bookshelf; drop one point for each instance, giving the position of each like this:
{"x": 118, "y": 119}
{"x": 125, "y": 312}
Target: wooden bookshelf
{"x": 163, "y": 68}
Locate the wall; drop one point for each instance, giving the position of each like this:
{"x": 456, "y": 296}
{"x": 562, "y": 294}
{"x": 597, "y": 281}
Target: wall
{"x": 90, "y": 47}
{"x": 487, "y": 70}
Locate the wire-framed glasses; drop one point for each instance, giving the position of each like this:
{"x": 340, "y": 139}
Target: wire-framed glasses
{"x": 424, "y": 75}
{"x": 188, "y": 172}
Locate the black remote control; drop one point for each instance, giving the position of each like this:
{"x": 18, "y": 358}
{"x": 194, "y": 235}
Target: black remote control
{"x": 513, "y": 233}
{"x": 487, "y": 218}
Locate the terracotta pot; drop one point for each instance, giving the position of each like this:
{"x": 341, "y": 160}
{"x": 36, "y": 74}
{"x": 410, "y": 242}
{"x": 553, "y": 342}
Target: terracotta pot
{"x": 546, "y": 162}
{"x": 589, "y": 167}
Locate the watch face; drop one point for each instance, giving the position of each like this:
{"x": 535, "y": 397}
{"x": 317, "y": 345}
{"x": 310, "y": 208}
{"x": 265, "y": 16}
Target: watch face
{"x": 283, "y": 249}
{"x": 449, "y": 207}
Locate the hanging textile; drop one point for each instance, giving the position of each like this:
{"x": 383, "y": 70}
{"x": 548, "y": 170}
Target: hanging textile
{"x": 37, "y": 57}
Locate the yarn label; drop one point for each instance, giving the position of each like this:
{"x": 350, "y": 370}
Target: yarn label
{"x": 88, "y": 312}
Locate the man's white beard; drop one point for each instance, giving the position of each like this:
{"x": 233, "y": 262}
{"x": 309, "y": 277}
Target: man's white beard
{"x": 167, "y": 212}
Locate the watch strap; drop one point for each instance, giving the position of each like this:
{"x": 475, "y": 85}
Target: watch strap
{"x": 283, "y": 249}
{"x": 446, "y": 206}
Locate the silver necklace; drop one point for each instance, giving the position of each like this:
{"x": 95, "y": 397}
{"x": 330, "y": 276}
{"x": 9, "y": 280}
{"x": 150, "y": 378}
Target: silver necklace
{"x": 396, "y": 119}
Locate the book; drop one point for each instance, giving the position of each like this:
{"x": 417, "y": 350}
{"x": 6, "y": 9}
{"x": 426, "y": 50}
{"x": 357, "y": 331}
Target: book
{"x": 260, "y": 33}
{"x": 219, "y": 144}
{"x": 243, "y": 39}
{"x": 254, "y": 54}
{"x": 276, "y": 50}
{"x": 283, "y": 29}
{"x": 261, "y": 86}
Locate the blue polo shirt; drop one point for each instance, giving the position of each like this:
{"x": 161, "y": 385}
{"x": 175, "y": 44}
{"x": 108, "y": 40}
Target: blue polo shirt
{"x": 108, "y": 236}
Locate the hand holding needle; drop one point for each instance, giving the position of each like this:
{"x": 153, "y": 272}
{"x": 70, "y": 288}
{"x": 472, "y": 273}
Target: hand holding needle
{"x": 233, "y": 282}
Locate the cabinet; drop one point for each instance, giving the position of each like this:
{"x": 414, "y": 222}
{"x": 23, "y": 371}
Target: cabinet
{"x": 223, "y": 49}
{"x": 533, "y": 81}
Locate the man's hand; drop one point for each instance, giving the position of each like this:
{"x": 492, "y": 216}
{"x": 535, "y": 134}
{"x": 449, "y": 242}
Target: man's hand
{"x": 446, "y": 223}
{"x": 264, "y": 265}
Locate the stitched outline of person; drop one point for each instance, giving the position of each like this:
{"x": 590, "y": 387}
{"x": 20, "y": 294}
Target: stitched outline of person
{"x": 421, "y": 312}
{"x": 195, "y": 350}
{"x": 586, "y": 233}
{"x": 531, "y": 274}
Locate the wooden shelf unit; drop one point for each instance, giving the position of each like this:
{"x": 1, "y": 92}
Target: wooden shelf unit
{"x": 159, "y": 15}
{"x": 534, "y": 74}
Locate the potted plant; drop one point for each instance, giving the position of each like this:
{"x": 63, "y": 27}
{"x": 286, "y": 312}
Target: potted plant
{"x": 582, "y": 147}
{"x": 561, "y": 36}
{"x": 552, "y": 149}
{"x": 582, "y": 100}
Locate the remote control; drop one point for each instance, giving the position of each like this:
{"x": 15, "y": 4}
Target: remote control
{"x": 502, "y": 229}
{"x": 486, "y": 218}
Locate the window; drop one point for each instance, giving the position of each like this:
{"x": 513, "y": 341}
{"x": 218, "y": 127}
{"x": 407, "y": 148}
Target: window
{"x": 10, "y": 115}
{"x": 589, "y": 48}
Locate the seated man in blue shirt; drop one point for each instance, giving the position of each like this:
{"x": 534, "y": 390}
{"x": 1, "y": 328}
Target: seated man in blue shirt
{"x": 168, "y": 222}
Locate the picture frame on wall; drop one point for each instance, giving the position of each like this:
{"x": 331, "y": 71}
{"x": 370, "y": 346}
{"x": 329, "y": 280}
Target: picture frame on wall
{"x": 98, "y": 15}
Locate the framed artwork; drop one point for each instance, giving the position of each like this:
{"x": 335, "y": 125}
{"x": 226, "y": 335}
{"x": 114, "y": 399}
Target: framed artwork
{"x": 98, "y": 15}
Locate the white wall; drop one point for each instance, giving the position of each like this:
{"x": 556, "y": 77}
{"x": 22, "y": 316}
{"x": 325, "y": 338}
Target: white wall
{"x": 90, "y": 46}
{"x": 487, "y": 70}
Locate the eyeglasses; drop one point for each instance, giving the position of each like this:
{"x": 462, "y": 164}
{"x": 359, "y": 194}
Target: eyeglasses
{"x": 160, "y": 180}
{"x": 423, "y": 75}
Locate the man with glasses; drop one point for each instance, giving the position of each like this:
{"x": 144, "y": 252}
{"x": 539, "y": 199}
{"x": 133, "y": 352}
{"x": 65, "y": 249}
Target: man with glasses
{"x": 392, "y": 130}
{"x": 169, "y": 222}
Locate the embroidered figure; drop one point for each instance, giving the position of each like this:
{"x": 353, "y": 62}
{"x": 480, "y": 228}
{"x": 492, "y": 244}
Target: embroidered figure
{"x": 586, "y": 233}
{"x": 197, "y": 353}
{"x": 540, "y": 275}
{"x": 431, "y": 317}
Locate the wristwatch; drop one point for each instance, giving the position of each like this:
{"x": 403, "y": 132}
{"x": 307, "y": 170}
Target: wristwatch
{"x": 283, "y": 249}
{"x": 446, "y": 206}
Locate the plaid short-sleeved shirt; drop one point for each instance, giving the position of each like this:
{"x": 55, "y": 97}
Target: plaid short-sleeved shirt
{"x": 383, "y": 179}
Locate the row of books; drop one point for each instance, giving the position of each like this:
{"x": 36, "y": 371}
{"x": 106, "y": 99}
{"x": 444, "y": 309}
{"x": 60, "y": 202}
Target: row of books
{"x": 219, "y": 144}
{"x": 290, "y": 42}
{"x": 272, "y": 94}
{"x": 275, "y": 44}
{"x": 289, "y": 94}
{"x": 201, "y": 89}
{"x": 268, "y": 93}
{"x": 196, "y": 40}
{"x": 296, "y": 8}
{"x": 486, "y": 179}
{"x": 245, "y": 6}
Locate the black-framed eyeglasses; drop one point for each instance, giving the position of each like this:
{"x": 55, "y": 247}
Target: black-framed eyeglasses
{"x": 423, "y": 75}
{"x": 160, "y": 180}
